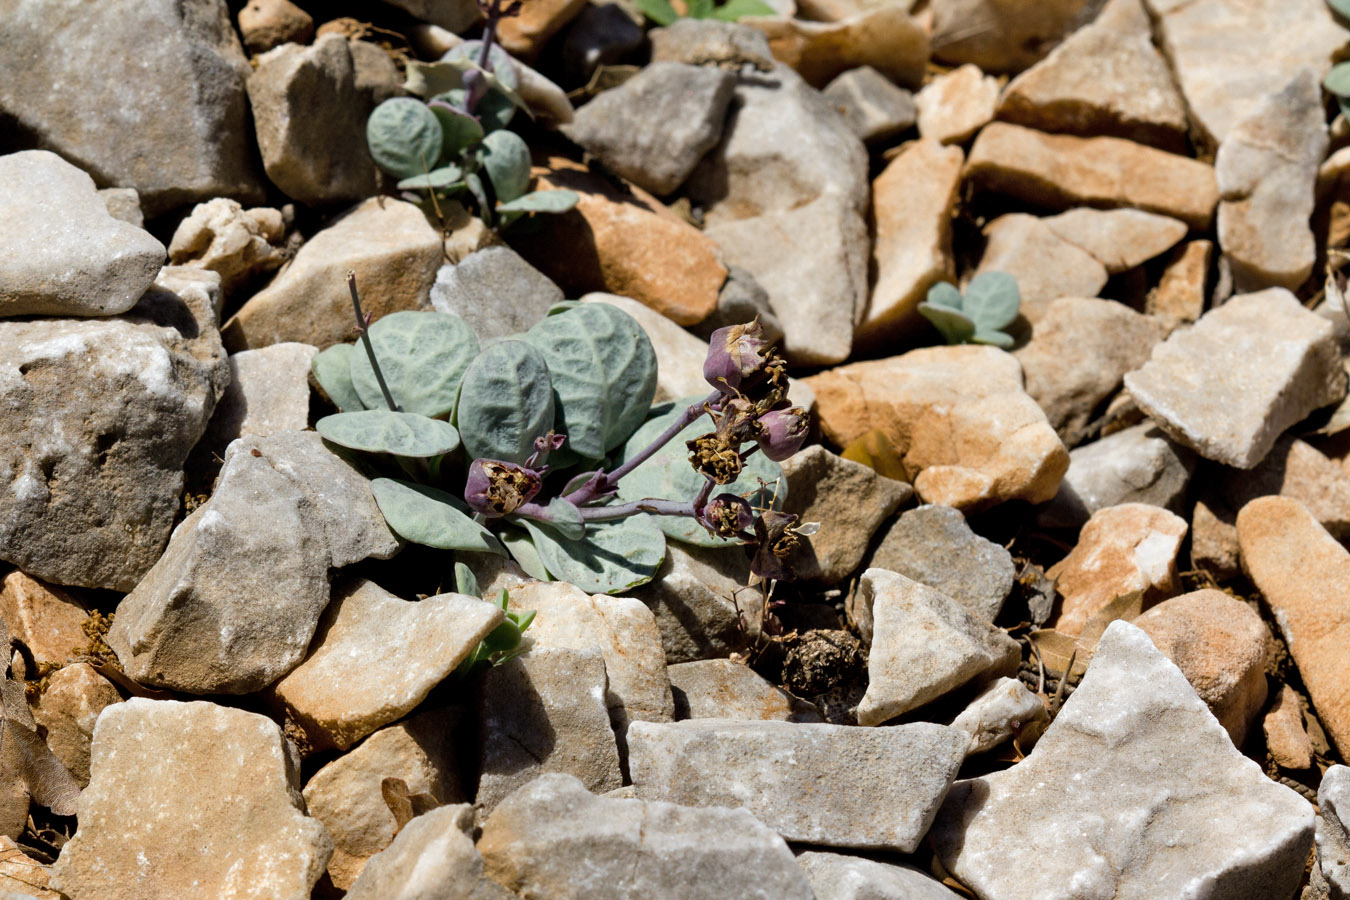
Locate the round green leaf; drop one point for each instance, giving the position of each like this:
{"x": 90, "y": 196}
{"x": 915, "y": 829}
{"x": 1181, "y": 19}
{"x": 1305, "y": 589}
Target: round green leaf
{"x": 332, "y": 369}
{"x": 554, "y": 201}
{"x": 945, "y": 294}
{"x": 460, "y": 129}
{"x": 566, "y": 519}
{"x": 440, "y": 179}
{"x": 604, "y": 375}
{"x": 505, "y": 402}
{"x": 993, "y": 338}
{"x": 506, "y": 158}
{"x": 430, "y": 517}
{"x": 1338, "y": 80}
{"x": 956, "y": 328}
{"x": 383, "y": 431}
{"x": 991, "y": 300}
{"x": 423, "y": 356}
{"x": 613, "y": 557}
{"x": 404, "y": 137}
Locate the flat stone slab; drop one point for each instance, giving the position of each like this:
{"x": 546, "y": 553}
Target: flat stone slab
{"x": 726, "y": 689}
{"x": 1135, "y": 792}
{"x": 1138, "y": 464}
{"x": 837, "y": 785}
{"x": 433, "y": 856}
{"x": 1333, "y": 841}
{"x": 834, "y": 876}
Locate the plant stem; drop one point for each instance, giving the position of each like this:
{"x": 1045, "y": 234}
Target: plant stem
{"x": 610, "y": 513}
{"x": 365, "y": 339}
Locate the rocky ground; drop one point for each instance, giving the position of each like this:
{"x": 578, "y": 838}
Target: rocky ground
{"x": 1074, "y": 623}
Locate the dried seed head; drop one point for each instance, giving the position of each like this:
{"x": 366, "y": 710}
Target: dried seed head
{"x": 496, "y": 488}
{"x": 712, "y": 456}
{"x": 781, "y": 541}
{"x": 727, "y": 516}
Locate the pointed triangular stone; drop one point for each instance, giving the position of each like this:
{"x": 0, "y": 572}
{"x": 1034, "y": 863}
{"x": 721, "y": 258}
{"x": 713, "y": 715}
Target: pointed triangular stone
{"x": 1106, "y": 79}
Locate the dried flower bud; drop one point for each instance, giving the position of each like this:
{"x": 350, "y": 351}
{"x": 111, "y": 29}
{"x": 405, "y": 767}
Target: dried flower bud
{"x": 737, "y": 422}
{"x": 782, "y": 432}
{"x": 727, "y": 516}
{"x": 497, "y": 488}
{"x": 780, "y": 542}
{"x": 735, "y": 353}
{"x": 714, "y": 458}
{"x": 543, "y": 446}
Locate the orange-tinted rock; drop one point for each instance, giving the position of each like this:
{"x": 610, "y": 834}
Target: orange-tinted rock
{"x": 68, "y": 709}
{"x": 525, "y": 34}
{"x": 1179, "y": 297}
{"x": 48, "y": 620}
{"x": 1286, "y": 738}
{"x": 885, "y": 38}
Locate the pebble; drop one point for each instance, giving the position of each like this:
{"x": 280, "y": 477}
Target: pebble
{"x": 1063, "y": 171}
{"x": 1245, "y": 372}
{"x": 553, "y": 838}
{"x": 1134, "y": 791}
{"x": 957, "y": 417}
{"x": 679, "y": 355}
{"x": 1267, "y": 167}
{"x": 1130, "y": 547}
{"x": 817, "y": 784}
{"x": 710, "y": 42}
{"x": 955, "y": 105}
{"x": 1045, "y": 265}
{"x": 47, "y": 620}
{"x": 67, "y": 710}
{"x": 1304, "y": 574}
{"x": 268, "y": 394}
{"x": 347, "y": 795}
{"x": 1333, "y": 840}
{"x": 433, "y": 856}
{"x": 164, "y": 770}
{"x": 1119, "y": 239}
{"x": 725, "y": 689}
{"x": 62, "y": 253}
{"x": 998, "y": 713}
{"x": 874, "y": 108}
{"x": 884, "y": 37}
{"x": 835, "y": 876}
{"x": 388, "y": 244}
{"x": 1286, "y": 738}
{"x": 101, "y": 414}
{"x": 223, "y": 237}
{"x": 265, "y": 24}
{"x": 321, "y": 161}
{"x": 1106, "y": 79}
{"x": 402, "y": 648}
{"x": 924, "y": 645}
{"x": 494, "y": 290}
{"x": 934, "y": 545}
{"x": 1179, "y": 298}
{"x": 701, "y": 601}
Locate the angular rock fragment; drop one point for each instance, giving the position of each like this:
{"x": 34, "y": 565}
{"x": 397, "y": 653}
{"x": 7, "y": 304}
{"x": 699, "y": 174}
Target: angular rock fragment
{"x": 1286, "y": 737}
{"x": 1180, "y": 295}
{"x": 68, "y": 708}
{"x": 883, "y": 36}
{"x": 873, "y": 107}
{"x": 725, "y": 689}
{"x": 1333, "y": 839}
{"x": 433, "y": 856}
{"x": 813, "y": 783}
{"x": 1137, "y": 791}
{"x": 21, "y": 876}
{"x": 1004, "y": 35}
{"x": 223, "y": 237}
{"x": 835, "y": 876}
{"x": 48, "y": 621}
{"x": 268, "y": 394}
{"x": 1046, "y": 266}
{"x": 953, "y": 106}
{"x": 525, "y": 34}
{"x": 496, "y": 291}
{"x": 1138, "y": 464}
{"x": 1000, "y": 712}
{"x": 710, "y": 42}
{"x": 701, "y": 601}
{"x": 1119, "y": 239}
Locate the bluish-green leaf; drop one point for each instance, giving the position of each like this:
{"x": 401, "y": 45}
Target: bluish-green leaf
{"x": 332, "y": 369}
{"x": 506, "y": 158}
{"x": 993, "y": 338}
{"x": 505, "y": 402}
{"x": 404, "y": 137}
{"x": 566, "y": 519}
{"x": 604, "y": 375}
{"x": 442, "y": 178}
{"x": 991, "y": 301}
{"x": 659, "y": 11}
{"x": 382, "y": 431}
{"x": 613, "y": 557}
{"x": 735, "y": 10}
{"x": 425, "y": 515}
{"x": 460, "y": 129}
{"x": 668, "y": 475}
{"x": 423, "y": 356}
{"x": 699, "y": 9}
{"x": 552, "y": 201}
{"x": 465, "y": 581}
{"x": 1342, "y": 7}
{"x": 1338, "y": 79}
{"x": 503, "y": 66}
{"x": 475, "y": 186}
{"x": 520, "y": 545}
{"x": 945, "y": 294}
{"x": 955, "y": 327}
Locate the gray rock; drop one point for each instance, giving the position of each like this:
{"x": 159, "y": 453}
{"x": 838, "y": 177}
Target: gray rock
{"x": 1004, "y": 35}
{"x": 873, "y": 107}
{"x": 232, "y": 604}
{"x": 1267, "y": 167}
{"x": 552, "y": 838}
{"x": 62, "y": 253}
{"x": 223, "y": 237}
{"x": 702, "y": 602}
{"x": 601, "y": 35}
{"x": 268, "y": 393}
{"x": 834, "y": 876}
{"x": 403, "y": 648}
{"x": 544, "y": 712}
{"x": 319, "y": 160}
{"x": 655, "y": 127}
{"x": 1138, "y": 464}
{"x": 496, "y": 291}
{"x": 123, "y": 204}
{"x": 377, "y": 78}
{"x": 1000, "y": 712}
{"x": 725, "y": 689}
{"x": 454, "y": 15}
{"x": 1333, "y": 841}
{"x": 709, "y": 42}
{"x": 433, "y": 856}
{"x": 924, "y": 645}
{"x": 1138, "y": 790}
{"x": 163, "y": 770}
{"x": 740, "y": 300}
{"x": 837, "y": 785}
{"x": 1245, "y": 372}
{"x": 935, "y": 546}
{"x": 99, "y": 416}
{"x": 169, "y": 119}
{"x": 1046, "y": 266}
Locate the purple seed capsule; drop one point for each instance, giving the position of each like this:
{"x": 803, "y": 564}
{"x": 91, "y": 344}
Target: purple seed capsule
{"x": 727, "y": 516}
{"x": 496, "y": 488}
{"x": 782, "y": 432}
{"x": 735, "y": 352}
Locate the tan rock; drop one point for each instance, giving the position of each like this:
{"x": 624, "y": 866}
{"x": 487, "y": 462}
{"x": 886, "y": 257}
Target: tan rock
{"x": 1108, "y": 79}
{"x": 955, "y": 105}
{"x": 1004, "y": 35}
{"x": 1046, "y": 266}
{"x": 1119, "y": 239}
{"x": 525, "y": 34}
{"x": 265, "y": 24}
{"x": 726, "y": 689}
{"x": 1332, "y": 216}
{"x": 1130, "y": 547}
{"x": 958, "y": 419}
{"x": 885, "y": 37}
{"x": 223, "y": 237}
{"x": 1214, "y": 545}
{"x": 1060, "y": 171}
{"x": 48, "y": 621}
{"x": 1219, "y": 644}
{"x": 68, "y": 709}
{"x": 390, "y": 246}
{"x": 433, "y": 856}
{"x": 1304, "y": 574}
{"x": 1286, "y": 738}
{"x": 21, "y": 876}
{"x": 1180, "y": 295}
{"x": 624, "y": 241}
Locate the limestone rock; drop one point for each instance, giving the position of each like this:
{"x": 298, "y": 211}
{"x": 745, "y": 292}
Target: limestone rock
{"x": 725, "y": 689}
{"x": 164, "y": 770}
{"x": 433, "y": 856}
{"x": 402, "y": 649}
{"x": 1119, "y": 239}
{"x": 47, "y": 620}
{"x": 740, "y": 300}
{"x": 317, "y": 160}
{"x": 873, "y": 107}
{"x": 21, "y": 876}
{"x": 709, "y": 42}
{"x": 1139, "y": 791}
{"x": 679, "y": 355}
{"x": 1000, "y": 712}
{"x": 701, "y": 601}
{"x": 1243, "y": 374}
{"x": 388, "y": 244}
{"x": 957, "y": 417}
{"x": 1267, "y": 167}
{"x": 819, "y": 784}
{"x": 1135, "y": 465}
{"x": 1061, "y": 171}
{"x": 1004, "y": 35}
{"x": 1180, "y": 296}
{"x": 265, "y": 24}
{"x": 1045, "y": 265}
{"x": 123, "y": 204}
{"x": 68, "y": 708}
{"x": 1333, "y": 840}
{"x": 655, "y": 127}
{"x": 495, "y": 291}
{"x": 552, "y": 838}
{"x": 1304, "y": 574}
{"x": 1286, "y": 738}
{"x": 169, "y": 120}
{"x": 884, "y": 37}
{"x": 100, "y": 415}
{"x": 835, "y": 876}
{"x": 61, "y": 252}
{"x": 223, "y": 237}
{"x": 268, "y": 394}
{"x": 1130, "y": 547}
{"x": 924, "y": 645}
{"x": 1107, "y": 78}
{"x": 955, "y": 105}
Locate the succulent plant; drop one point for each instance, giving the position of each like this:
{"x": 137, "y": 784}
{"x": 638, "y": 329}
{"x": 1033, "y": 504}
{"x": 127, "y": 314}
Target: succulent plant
{"x": 990, "y": 304}
{"x": 663, "y": 13}
{"x": 1337, "y": 81}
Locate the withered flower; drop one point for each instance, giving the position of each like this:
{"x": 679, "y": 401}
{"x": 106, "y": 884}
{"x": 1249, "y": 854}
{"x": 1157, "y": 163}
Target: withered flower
{"x": 712, "y": 456}
{"x": 497, "y": 488}
{"x": 727, "y": 516}
{"x": 780, "y": 540}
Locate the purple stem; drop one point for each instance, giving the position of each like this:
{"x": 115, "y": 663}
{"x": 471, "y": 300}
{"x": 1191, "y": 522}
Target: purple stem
{"x": 365, "y": 339}
{"x": 609, "y": 513}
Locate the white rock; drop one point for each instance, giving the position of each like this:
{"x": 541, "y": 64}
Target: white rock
{"x": 1333, "y": 841}
{"x": 432, "y": 857}
{"x": 834, "y": 876}
{"x": 998, "y": 713}
{"x": 955, "y": 105}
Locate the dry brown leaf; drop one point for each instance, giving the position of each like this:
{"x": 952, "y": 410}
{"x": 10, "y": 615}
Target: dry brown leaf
{"x": 874, "y": 450}
{"x": 1057, "y": 648}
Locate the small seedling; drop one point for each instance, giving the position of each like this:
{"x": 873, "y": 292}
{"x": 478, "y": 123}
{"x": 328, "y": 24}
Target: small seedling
{"x": 989, "y": 305}
{"x": 663, "y": 13}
